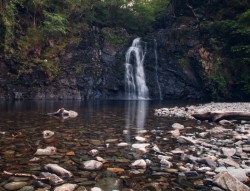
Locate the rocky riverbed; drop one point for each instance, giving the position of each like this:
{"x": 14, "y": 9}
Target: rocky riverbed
{"x": 177, "y": 154}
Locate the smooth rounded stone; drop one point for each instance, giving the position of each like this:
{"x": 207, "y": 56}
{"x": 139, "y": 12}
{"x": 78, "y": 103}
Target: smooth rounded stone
{"x": 141, "y": 147}
{"x": 226, "y": 122}
{"x": 140, "y": 139}
{"x": 122, "y": 144}
{"x": 18, "y": 179}
{"x": 47, "y": 134}
{"x": 220, "y": 169}
{"x": 100, "y": 159}
{"x": 228, "y": 151}
{"x": 55, "y": 168}
{"x": 185, "y": 140}
{"x": 34, "y": 159}
{"x": 175, "y": 133}
{"x": 53, "y": 178}
{"x": 166, "y": 163}
{"x": 204, "y": 169}
{"x": 203, "y": 134}
{"x": 214, "y": 188}
{"x": 111, "y": 140}
{"x": 66, "y": 187}
{"x": 92, "y": 165}
{"x": 109, "y": 184}
{"x": 170, "y": 170}
{"x": 96, "y": 189}
{"x": 246, "y": 149}
{"x": 93, "y": 152}
{"x": 14, "y": 185}
{"x": 142, "y": 131}
{"x": 27, "y": 188}
{"x": 177, "y": 151}
{"x": 210, "y": 173}
{"x": 46, "y": 151}
{"x": 140, "y": 163}
{"x": 177, "y": 126}
{"x": 184, "y": 169}
{"x": 81, "y": 188}
{"x": 164, "y": 157}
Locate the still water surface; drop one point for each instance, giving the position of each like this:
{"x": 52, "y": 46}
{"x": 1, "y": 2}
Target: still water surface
{"x": 100, "y": 125}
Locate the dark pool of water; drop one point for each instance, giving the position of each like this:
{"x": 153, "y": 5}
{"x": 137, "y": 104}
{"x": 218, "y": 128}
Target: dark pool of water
{"x": 97, "y": 126}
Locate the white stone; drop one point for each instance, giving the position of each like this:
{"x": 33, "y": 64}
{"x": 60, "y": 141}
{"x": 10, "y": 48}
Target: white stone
{"x": 140, "y": 163}
{"x": 92, "y": 165}
{"x": 66, "y": 187}
{"x": 47, "y": 134}
{"x": 55, "y": 168}
{"x": 177, "y": 126}
{"x": 46, "y": 151}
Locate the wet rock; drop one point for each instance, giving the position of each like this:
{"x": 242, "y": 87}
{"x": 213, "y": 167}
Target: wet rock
{"x": 109, "y": 184}
{"x": 122, "y": 144}
{"x": 208, "y": 161}
{"x": 14, "y": 185}
{"x": 81, "y": 188}
{"x": 185, "y": 140}
{"x": 55, "y": 168}
{"x": 175, "y": 133}
{"x": 93, "y": 152}
{"x": 92, "y": 165}
{"x": 53, "y": 179}
{"x": 46, "y": 151}
{"x": 141, "y": 147}
{"x": 140, "y": 139}
{"x": 139, "y": 164}
{"x": 240, "y": 174}
{"x": 100, "y": 159}
{"x": 230, "y": 162}
{"x": 27, "y": 188}
{"x": 153, "y": 187}
{"x": 116, "y": 170}
{"x": 228, "y": 182}
{"x": 191, "y": 174}
{"x": 228, "y": 151}
{"x": 225, "y": 122}
{"x": 66, "y": 187}
{"x": 177, "y": 126}
{"x": 166, "y": 163}
{"x": 96, "y": 189}
{"x": 47, "y": 134}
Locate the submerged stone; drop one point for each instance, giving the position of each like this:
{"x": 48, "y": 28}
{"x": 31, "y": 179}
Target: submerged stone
{"x": 15, "y": 185}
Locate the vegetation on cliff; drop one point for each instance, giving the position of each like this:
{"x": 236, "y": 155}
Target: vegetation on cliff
{"x": 34, "y": 35}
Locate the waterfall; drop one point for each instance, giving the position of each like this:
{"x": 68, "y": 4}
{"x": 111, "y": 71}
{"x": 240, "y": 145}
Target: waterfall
{"x": 156, "y": 69}
{"x": 135, "y": 85}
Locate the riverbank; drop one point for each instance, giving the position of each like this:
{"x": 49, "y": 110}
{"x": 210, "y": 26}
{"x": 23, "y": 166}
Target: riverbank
{"x": 187, "y": 111}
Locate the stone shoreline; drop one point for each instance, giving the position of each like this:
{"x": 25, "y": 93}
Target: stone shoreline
{"x": 187, "y": 111}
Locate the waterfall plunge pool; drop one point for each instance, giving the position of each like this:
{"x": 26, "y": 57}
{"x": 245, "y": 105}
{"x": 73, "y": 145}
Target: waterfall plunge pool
{"x": 100, "y": 125}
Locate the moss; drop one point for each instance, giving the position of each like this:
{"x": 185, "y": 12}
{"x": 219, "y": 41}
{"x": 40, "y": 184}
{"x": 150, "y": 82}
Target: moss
{"x": 183, "y": 63}
{"x": 115, "y": 36}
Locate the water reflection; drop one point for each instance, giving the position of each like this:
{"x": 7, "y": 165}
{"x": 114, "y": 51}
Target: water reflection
{"x": 135, "y": 116}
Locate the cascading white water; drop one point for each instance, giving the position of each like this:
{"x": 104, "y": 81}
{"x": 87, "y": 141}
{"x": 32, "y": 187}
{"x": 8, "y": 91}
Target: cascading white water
{"x": 135, "y": 85}
{"x": 156, "y": 69}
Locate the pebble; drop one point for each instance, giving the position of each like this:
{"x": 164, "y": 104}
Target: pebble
{"x": 14, "y": 185}
{"x": 177, "y": 126}
{"x": 66, "y": 187}
{"x": 92, "y": 165}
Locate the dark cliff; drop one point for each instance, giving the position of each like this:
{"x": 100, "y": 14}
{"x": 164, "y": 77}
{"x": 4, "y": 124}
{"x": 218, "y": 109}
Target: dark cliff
{"x": 186, "y": 58}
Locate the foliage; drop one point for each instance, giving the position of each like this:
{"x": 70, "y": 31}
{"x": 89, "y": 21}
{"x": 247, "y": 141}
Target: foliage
{"x": 233, "y": 36}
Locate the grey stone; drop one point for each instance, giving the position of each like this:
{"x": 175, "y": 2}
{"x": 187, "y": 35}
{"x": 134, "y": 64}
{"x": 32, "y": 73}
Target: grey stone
{"x": 228, "y": 182}
{"x": 109, "y": 184}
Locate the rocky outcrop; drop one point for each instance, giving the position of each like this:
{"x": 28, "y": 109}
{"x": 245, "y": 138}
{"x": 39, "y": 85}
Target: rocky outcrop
{"x": 94, "y": 67}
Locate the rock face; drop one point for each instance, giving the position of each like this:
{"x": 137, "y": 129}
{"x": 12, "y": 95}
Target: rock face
{"x": 94, "y": 69}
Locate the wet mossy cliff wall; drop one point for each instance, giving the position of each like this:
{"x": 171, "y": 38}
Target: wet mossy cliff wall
{"x": 94, "y": 68}
{"x": 184, "y": 61}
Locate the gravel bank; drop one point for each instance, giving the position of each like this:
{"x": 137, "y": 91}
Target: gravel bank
{"x": 190, "y": 109}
